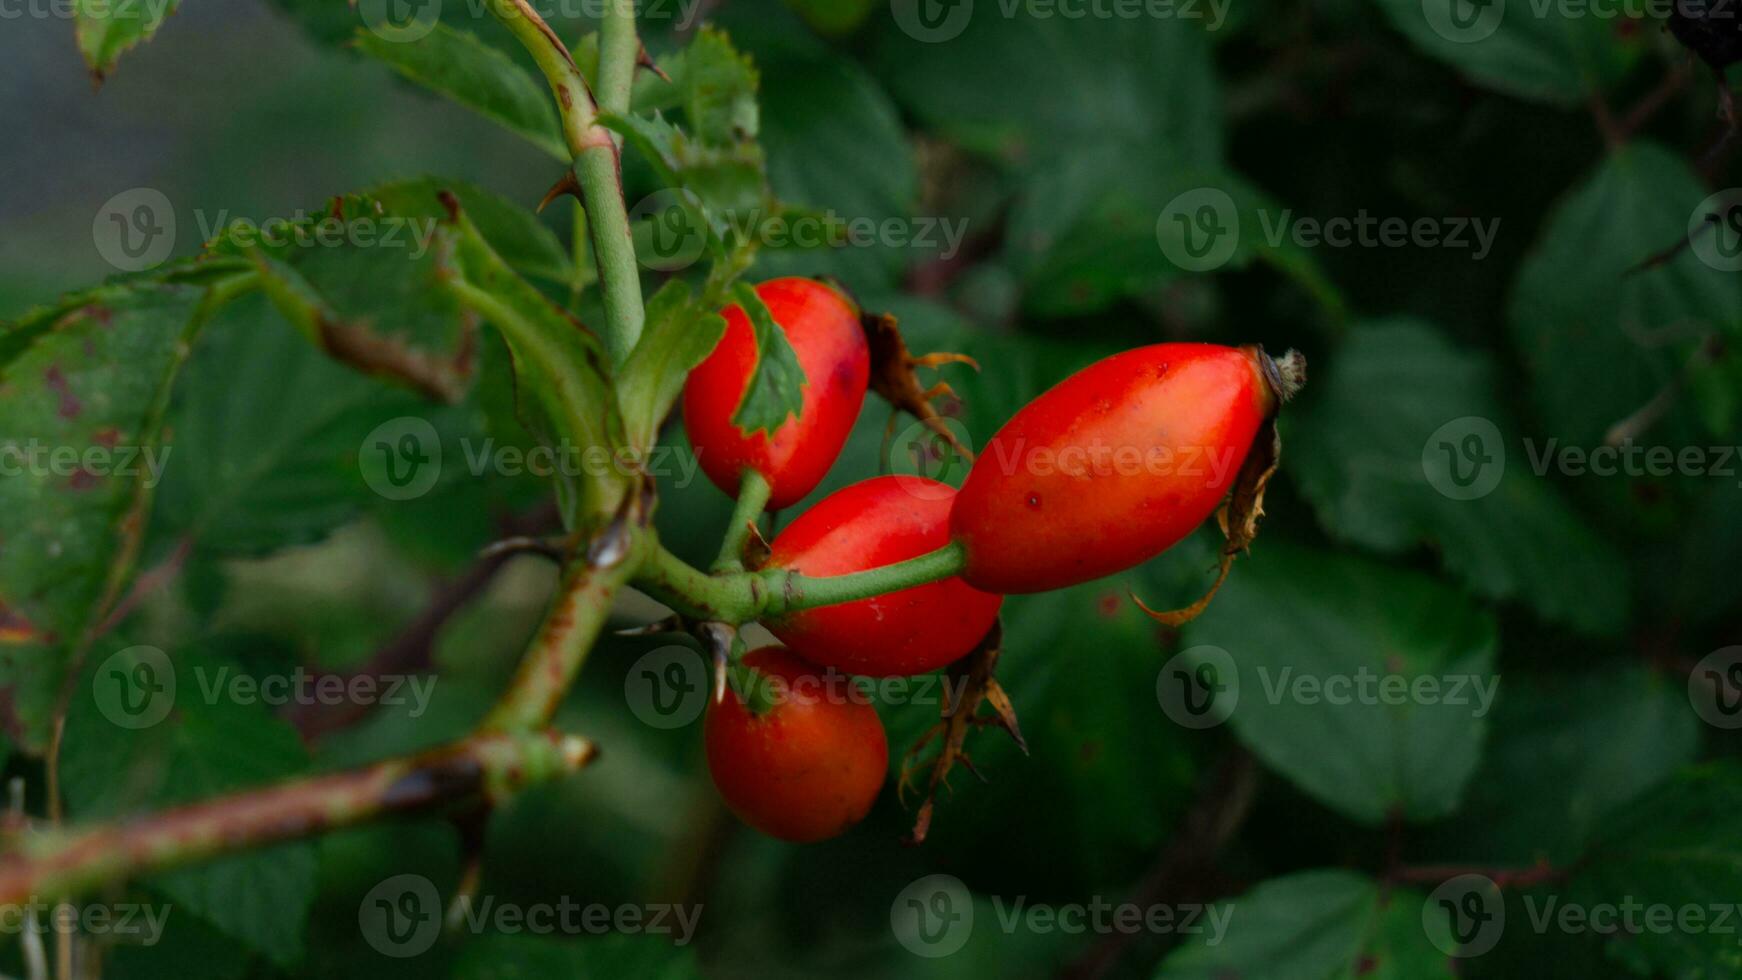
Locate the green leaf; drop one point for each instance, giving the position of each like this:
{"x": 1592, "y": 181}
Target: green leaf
{"x": 82, "y": 398}
{"x": 1676, "y": 847}
{"x": 457, "y": 64}
{"x": 728, "y": 181}
{"x": 834, "y": 141}
{"x": 1360, "y": 441}
{"x": 1320, "y": 925}
{"x": 107, "y": 28}
{"x": 207, "y": 744}
{"x": 1318, "y": 640}
{"x": 1599, "y": 342}
{"x": 776, "y": 389}
{"x": 266, "y": 436}
{"x": 504, "y": 957}
{"x": 1053, "y": 93}
{"x": 677, "y": 336}
{"x": 366, "y": 285}
{"x": 1082, "y": 237}
{"x": 1562, "y": 754}
{"x": 517, "y": 234}
{"x": 1542, "y": 52}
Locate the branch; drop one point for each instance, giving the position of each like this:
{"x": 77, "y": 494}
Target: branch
{"x": 739, "y": 597}
{"x": 485, "y": 766}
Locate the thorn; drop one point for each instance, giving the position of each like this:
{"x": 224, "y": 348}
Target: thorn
{"x": 645, "y": 60}
{"x": 557, "y": 549}
{"x": 670, "y": 624}
{"x": 566, "y": 184}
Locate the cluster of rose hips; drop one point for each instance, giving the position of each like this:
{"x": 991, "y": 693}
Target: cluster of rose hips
{"x": 807, "y": 767}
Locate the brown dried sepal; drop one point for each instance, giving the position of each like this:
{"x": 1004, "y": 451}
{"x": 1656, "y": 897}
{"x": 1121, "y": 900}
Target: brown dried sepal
{"x": 893, "y": 376}
{"x": 970, "y": 683}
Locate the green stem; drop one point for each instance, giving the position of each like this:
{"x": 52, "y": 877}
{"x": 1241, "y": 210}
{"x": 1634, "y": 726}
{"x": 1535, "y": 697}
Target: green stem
{"x": 613, "y": 250}
{"x": 596, "y": 162}
{"x": 619, "y": 50}
{"x": 753, "y": 493}
{"x": 739, "y": 597}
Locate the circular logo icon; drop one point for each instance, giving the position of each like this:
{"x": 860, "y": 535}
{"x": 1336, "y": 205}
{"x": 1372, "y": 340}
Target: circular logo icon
{"x": 933, "y": 917}
{"x": 1465, "y": 458}
{"x": 135, "y": 230}
{"x": 1715, "y": 688}
{"x": 1199, "y": 230}
{"x": 932, "y": 21}
{"x": 402, "y": 916}
{"x": 135, "y": 687}
{"x": 668, "y": 687}
{"x": 400, "y": 21}
{"x": 1463, "y": 21}
{"x": 937, "y": 451}
{"x": 1465, "y": 915}
{"x": 1198, "y": 687}
{"x": 671, "y": 231}
{"x": 401, "y": 458}
{"x": 1715, "y": 230}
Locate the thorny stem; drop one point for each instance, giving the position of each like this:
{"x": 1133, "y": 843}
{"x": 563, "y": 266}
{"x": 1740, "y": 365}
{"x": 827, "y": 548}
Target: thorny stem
{"x": 619, "y": 50}
{"x": 753, "y": 495}
{"x": 596, "y": 166}
{"x": 739, "y": 597}
{"x": 485, "y": 766}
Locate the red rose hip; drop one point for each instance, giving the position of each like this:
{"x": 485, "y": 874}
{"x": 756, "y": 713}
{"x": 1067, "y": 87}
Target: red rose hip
{"x": 1112, "y": 466}
{"x": 808, "y": 766}
{"x": 824, "y": 330}
{"x": 871, "y": 524}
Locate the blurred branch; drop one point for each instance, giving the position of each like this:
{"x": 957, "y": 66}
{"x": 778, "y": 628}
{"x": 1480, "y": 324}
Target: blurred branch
{"x": 1186, "y": 868}
{"x": 484, "y": 766}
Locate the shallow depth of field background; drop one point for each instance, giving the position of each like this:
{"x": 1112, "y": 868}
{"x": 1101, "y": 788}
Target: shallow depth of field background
{"x": 1060, "y": 143}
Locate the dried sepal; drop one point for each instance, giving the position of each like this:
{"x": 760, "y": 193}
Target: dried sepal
{"x": 971, "y": 683}
{"x": 893, "y": 376}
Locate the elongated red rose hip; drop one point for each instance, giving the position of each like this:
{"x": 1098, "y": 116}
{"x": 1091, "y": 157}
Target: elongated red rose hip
{"x": 1112, "y": 466}
{"x": 807, "y": 765}
{"x": 870, "y": 524}
{"x": 824, "y": 330}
